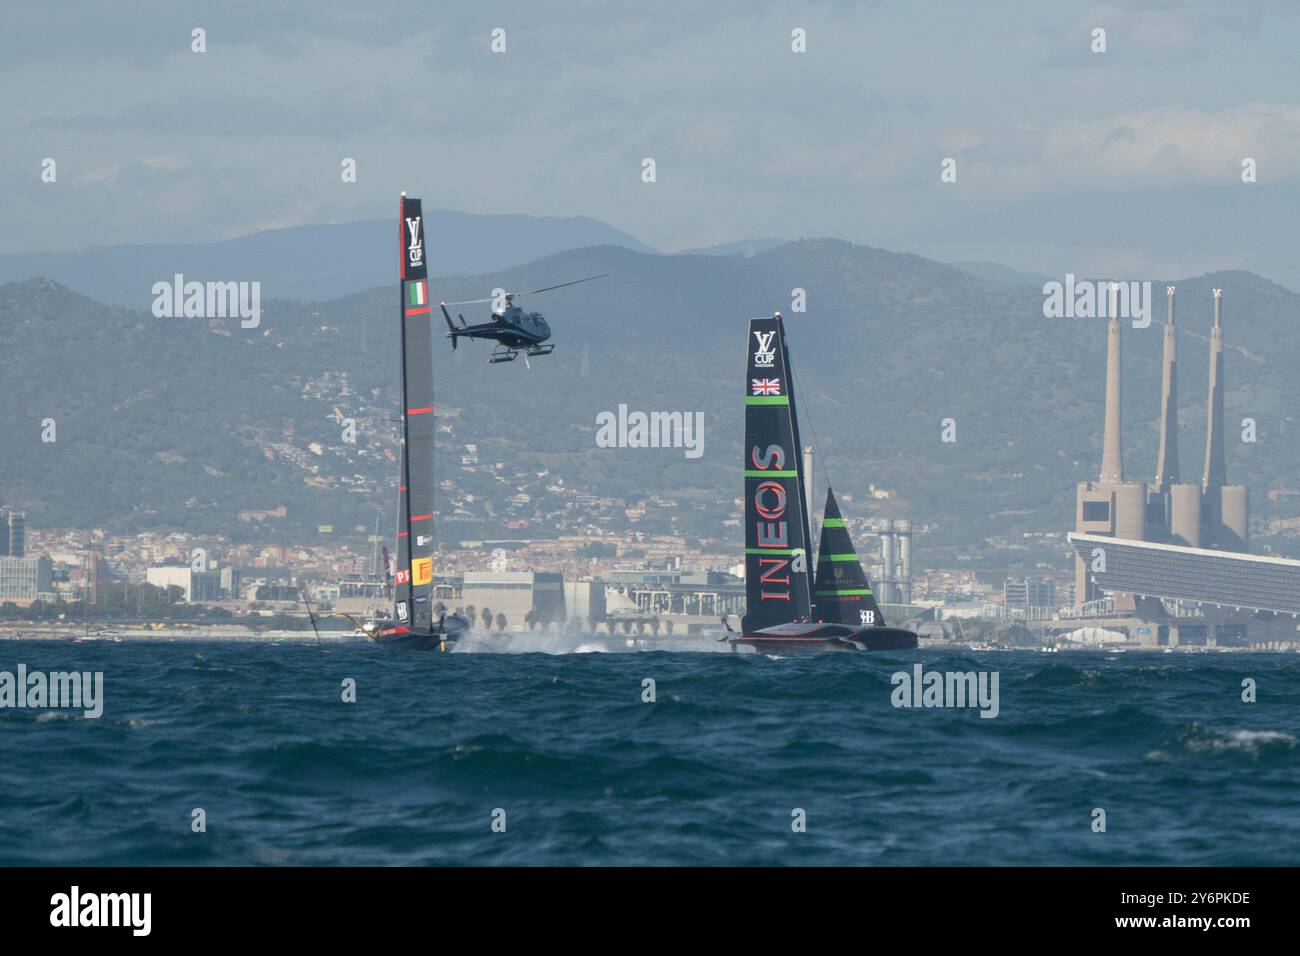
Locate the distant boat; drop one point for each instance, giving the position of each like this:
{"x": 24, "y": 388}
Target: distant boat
{"x": 785, "y": 609}
{"x": 413, "y": 626}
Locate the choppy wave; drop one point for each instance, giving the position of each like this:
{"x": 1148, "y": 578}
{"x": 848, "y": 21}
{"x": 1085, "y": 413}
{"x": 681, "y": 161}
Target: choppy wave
{"x": 558, "y": 731}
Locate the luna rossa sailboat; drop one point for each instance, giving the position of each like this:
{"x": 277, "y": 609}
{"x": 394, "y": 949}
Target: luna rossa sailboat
{"x": 413, "y": 625}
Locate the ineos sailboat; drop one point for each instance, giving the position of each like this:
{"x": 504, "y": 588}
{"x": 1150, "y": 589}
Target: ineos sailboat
{"x": 413, "y": 625}
{"x": 785, "y": 609}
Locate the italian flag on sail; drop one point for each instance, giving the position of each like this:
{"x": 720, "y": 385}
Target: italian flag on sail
{"x": 417, "y": 293}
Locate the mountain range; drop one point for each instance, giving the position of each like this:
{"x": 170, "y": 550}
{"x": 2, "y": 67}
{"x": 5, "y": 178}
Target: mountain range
{"x": 167, "y": 422}
{"x": 314, "y": 263}
{"x": 322, "y": 262}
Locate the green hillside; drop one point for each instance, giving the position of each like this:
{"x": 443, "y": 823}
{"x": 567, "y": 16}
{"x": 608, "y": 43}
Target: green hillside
{"x": 165, "y": 422}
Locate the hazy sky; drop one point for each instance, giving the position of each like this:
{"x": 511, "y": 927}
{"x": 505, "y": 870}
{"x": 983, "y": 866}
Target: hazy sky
{"x": 1125, "y": 163}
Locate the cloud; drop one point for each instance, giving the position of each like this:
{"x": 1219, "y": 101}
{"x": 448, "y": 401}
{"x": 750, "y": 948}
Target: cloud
{"x": 1162, "y": 148}
{"x": 97, "y": 176}
{"x": 1147, "y": 33}
{"x": 1141, "y": 150}
{"x": 751, "y": 139}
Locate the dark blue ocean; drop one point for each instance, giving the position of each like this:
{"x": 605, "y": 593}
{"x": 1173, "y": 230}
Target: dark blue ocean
{"x": 587, "y": 773}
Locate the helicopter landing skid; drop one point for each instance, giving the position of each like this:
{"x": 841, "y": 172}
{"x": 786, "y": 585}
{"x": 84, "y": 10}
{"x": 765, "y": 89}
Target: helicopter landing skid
{"x": 509, "y": 355}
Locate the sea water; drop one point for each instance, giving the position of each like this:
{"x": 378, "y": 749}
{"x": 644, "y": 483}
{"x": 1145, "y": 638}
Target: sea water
{"x": 242, "y": 753}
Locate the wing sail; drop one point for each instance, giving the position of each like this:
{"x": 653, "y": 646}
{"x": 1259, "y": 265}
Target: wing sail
{"x": 777, "y": 579}
{"x": 414, "y": 606}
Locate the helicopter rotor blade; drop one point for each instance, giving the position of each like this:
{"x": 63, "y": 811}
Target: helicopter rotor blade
{"x": 508, "y": 296}
{"x": 563, "y": 285}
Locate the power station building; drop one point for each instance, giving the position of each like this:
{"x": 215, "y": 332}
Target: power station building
{"x": 1212, "y": 515}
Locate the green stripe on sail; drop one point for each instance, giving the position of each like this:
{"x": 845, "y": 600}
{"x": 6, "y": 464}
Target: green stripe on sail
{"x": 771, "y": 474}
{"x": 833, "y": 523}
{"x": 789, "y": 551}
{"x": 838, "y": 591}
{"x": 767, "y": 399}
{"x": 837, "y": 557}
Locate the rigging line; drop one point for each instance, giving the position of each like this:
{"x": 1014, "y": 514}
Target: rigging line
{"x": 819, "y": 450}
{"x": 302, "y": 593}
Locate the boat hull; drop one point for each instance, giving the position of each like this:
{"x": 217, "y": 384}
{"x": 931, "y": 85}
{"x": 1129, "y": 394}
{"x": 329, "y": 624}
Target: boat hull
{"x": 785, "y": 638}
{"x": 452, "y": 629}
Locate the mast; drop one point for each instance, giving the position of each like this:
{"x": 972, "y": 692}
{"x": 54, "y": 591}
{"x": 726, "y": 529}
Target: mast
{"x": 777, "y": 580}
{"x": 804, "y": 481}
{"x": 371, "y": 585}
{"x": 415, "y": 527}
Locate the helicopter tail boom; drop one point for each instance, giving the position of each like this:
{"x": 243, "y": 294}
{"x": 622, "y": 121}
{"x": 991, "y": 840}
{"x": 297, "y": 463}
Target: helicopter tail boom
{"x": 454, "y": 332}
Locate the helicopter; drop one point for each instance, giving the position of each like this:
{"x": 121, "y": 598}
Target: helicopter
{"x": 514, "y": 330}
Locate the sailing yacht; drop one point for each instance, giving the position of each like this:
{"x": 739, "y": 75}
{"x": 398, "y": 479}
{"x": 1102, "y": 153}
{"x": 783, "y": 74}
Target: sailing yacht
{"x": 785, "y": 608}
{"x": 413, "y": 626}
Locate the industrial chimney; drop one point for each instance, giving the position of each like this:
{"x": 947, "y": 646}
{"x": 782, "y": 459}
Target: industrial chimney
{"x": 1167, "y": 460}
{"x": 1112, "y": 461}
{"x": 1215, "y": 471}
{"x": 1225, "y": 508}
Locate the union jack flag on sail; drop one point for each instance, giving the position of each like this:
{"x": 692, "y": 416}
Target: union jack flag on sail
{"x": 765, "y": 386}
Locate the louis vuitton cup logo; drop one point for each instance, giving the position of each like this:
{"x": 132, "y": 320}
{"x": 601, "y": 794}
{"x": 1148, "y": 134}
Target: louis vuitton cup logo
{"x": 764, "y": 355}
{"x": 415, "y": 248}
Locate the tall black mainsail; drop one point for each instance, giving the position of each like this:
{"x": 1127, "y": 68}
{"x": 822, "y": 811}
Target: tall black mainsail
{"x": 415, "y": 533}
{"x": 842, "y": 592}
{"x": 413, "y": 592}
{"x": 777, "y": 579}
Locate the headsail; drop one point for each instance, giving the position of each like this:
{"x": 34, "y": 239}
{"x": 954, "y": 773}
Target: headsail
{"x": 842, "y": 593}
{"x": 777, "y": 579}
{"x": 414, "y": 577}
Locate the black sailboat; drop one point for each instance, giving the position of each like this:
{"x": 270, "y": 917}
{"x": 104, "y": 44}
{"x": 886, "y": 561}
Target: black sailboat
{"x": 784, "y": 609}
{"x": 413, "y": 625}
